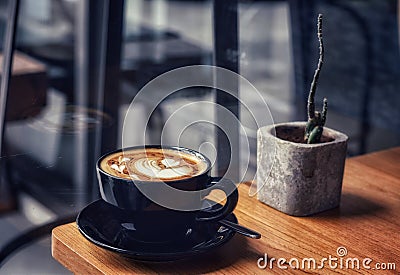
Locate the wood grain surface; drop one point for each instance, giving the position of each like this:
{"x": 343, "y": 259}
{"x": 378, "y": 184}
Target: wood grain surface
{"x": 367, "y": 225}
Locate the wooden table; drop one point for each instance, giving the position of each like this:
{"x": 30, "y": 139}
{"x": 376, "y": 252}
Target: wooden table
{"x": 367, "y": 225}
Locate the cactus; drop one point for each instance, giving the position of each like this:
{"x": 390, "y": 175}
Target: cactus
{"x": 316, "y": 119}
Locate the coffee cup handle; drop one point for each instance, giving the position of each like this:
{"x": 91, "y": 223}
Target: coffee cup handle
{"x": 227, "y": 186}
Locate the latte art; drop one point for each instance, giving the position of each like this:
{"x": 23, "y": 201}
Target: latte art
{"x": 153, "y": 164}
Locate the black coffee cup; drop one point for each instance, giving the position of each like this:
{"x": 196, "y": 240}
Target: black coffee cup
{"x": 163, "y": 210}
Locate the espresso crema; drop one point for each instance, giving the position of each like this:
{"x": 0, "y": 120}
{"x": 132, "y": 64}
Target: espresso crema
{"x": 153, "y": 164}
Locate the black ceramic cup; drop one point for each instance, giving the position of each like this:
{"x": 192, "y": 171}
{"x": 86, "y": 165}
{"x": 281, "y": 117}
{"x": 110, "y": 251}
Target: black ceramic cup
{"x": 155, "y": 221}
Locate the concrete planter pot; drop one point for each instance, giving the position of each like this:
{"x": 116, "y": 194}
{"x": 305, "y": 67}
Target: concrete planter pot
{"x": 296, "y": 178}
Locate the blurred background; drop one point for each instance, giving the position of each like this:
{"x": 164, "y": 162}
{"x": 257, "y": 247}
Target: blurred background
{"x": 78, "y": 64}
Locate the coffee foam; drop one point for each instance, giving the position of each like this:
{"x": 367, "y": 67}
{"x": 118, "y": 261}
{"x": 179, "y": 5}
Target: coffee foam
{"x": 153, "y": 164}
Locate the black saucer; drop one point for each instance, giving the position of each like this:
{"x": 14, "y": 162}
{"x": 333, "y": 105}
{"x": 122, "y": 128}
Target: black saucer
{"x": 109, "y": 227}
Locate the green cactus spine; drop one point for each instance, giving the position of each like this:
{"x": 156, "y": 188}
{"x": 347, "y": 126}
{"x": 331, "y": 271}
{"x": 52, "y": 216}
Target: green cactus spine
{"x": 316, "y": 119}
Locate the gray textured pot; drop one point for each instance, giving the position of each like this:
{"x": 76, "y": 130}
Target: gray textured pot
{"x": 296, "y": 178}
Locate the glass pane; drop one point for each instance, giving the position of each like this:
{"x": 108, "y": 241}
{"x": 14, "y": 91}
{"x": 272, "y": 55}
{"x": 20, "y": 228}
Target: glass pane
{"x": 82, "y": 63}
{"x": 265, "y": 60}
{"x": 279, "y": 54}
{"x": 162, "y": 36}
{"x": 79, "y": 65}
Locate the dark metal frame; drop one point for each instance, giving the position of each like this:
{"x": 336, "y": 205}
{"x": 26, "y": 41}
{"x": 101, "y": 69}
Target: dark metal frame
{"x": 8, "y": 52}
{"x": 6, "y": 188}
{"x": 98, "y": 51}
{"x": 226, "y": 55}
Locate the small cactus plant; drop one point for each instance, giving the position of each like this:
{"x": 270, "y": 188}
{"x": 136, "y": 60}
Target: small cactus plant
{"x": 316, "y": 119}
